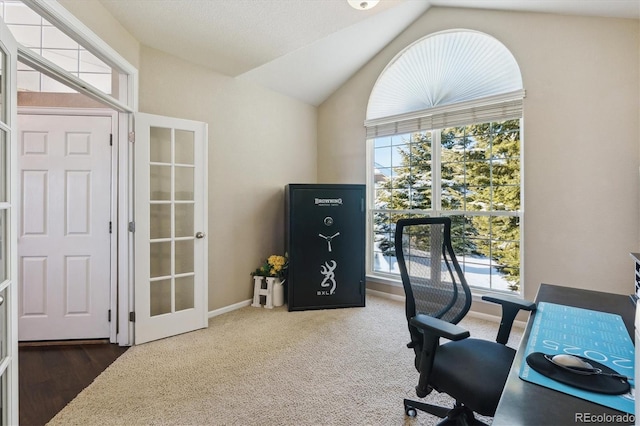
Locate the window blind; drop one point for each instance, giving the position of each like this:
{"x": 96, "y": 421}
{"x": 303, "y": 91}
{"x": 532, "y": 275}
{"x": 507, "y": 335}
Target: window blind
{"x": 493, "y": 108}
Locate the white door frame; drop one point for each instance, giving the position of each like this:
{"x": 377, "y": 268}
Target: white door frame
{"x": 60, "y": 17}
{"x": 113, "y": 267}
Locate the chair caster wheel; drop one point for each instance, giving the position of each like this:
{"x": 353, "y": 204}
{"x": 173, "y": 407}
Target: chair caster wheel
{"x": 410, "y": 411}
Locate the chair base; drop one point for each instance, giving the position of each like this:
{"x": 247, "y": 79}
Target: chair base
{"x": 459, "y": 415}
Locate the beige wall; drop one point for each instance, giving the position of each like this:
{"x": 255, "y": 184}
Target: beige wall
{"x": 258, "y": 142}
{"x": 581, "y": 138}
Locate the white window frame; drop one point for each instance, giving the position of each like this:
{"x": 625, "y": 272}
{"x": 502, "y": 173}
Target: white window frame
{"x": 436, "y": 210}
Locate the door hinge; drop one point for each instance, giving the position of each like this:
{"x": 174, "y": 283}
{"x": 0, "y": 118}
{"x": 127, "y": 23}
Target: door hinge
{"x": 132, "y": 137}
{"x": 110, "y": 227}
{"x": 111, "y": 139}
{"x": 132, "y": 227}
{"x": 109, "y": 315}
{"x": 132, "y": 316}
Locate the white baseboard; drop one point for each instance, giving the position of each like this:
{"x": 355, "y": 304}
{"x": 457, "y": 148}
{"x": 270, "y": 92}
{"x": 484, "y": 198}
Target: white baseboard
{"x": 229, "y": 308}
{"x": 385, "y": 295}
{"x": 396, "y": 297}
{"x": 473, "y": 314}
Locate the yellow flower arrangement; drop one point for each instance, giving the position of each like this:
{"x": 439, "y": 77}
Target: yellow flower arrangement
{"x": 277, "y": 264}
{"x": 274, "y": 266}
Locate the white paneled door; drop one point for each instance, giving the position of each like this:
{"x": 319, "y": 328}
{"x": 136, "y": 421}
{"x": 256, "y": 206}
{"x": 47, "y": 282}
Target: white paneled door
{"x": 170, "y": 227}
{"x": 64, "y": 226}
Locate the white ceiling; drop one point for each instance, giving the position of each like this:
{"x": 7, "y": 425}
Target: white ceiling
{"x": 304, "y": 49}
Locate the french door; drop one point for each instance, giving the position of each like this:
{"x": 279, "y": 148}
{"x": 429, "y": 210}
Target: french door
{"x": 8, "y": 230}
{"x": 170, "y": 227}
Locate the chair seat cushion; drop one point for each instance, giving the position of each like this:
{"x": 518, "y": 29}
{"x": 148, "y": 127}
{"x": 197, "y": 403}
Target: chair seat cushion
{"x": 473, "y": 372}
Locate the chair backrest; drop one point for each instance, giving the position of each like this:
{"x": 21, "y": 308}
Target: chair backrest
{"x": 433, "y": 281}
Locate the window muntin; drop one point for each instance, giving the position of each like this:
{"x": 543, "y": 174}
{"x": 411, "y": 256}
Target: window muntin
{"x": 470, "y": 173}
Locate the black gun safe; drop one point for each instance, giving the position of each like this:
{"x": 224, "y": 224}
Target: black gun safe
{"x": 325, "y": 240}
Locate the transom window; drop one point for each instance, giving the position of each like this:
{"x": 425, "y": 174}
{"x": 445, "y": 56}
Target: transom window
{"x": 33, "y": 31}
{"x": 461, "y": 159}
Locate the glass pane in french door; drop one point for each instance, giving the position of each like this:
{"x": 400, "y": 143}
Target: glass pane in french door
{"x": 3, "y": 247}
{"x": 160, "y": 297}
{"x": 160, "y": 145}
{"x": 171, "y": 219}
{"x": 3, "y": 326}
{"x": 4, "y": 136}
{"x": 5, "y": 344}
{"x": 184, "y": 292}
{"x": 3, "y": 90}
{"x": 184, "y": 146}
{"x": 3, "y": 170}
{"x": 3, "y": 398}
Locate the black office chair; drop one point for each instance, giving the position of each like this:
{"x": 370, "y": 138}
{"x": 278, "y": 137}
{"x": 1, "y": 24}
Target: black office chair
{"x": 471, "y": 371}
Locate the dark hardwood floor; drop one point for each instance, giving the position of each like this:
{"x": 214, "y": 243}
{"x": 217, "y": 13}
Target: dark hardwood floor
{"x": 52, "y": 375}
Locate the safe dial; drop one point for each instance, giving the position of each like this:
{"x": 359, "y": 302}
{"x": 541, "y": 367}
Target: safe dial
{"x": 328, "y": 221}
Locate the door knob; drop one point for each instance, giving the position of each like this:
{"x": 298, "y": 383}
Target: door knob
{"x": 200, "y": 235}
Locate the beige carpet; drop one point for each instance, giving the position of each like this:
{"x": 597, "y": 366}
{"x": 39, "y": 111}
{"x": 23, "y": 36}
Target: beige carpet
{"x": 256, "y": 366}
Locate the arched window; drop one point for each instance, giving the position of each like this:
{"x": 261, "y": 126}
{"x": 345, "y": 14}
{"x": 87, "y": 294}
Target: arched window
{"x": 443, "y": 128}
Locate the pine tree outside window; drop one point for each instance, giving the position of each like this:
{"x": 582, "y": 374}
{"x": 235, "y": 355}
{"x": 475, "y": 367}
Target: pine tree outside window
{"x": 444, "y": 137}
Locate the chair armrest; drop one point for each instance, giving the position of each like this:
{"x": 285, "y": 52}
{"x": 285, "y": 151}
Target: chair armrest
{"x": 432, "y": 329}
{"x": 510, "y": 307}
{"x": 439, "y": 327}
{"x": 503, "y": 299}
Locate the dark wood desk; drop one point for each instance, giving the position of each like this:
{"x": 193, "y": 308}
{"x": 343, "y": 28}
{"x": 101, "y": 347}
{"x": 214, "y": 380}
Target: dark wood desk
{"x": 524, "y": 403}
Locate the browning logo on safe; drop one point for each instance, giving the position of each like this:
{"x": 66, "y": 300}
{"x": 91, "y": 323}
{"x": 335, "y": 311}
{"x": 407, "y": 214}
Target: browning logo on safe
{"x": 329, "y": 278}
{"x": 328, "y": 202}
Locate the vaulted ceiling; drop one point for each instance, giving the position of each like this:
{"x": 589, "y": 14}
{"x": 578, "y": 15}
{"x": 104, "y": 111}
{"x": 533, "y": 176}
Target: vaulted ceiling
{"x": 304, "y": 49}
